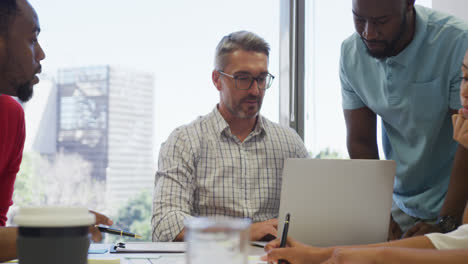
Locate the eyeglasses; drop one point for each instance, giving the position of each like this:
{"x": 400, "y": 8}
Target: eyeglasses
{"x": 244, "y": 81}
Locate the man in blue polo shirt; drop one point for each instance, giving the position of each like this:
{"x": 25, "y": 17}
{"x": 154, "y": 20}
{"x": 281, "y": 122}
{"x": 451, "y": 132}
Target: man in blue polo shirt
{"x": 404, "y": 65}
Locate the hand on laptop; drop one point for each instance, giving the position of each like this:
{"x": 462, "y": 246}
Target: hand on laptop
{"x": 261, "y": 229}
{"x": 295, "y": 252}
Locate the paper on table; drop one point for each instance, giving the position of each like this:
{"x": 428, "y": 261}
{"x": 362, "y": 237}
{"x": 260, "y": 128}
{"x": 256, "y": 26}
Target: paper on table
{"x": 164, "y": 259}
{"x": 256, "y": 260}
{"x": 90, "y": 261}
{"x": 148, "y": 247}
{"x": 180, "y": 259}
{"x": 104, "y": 261}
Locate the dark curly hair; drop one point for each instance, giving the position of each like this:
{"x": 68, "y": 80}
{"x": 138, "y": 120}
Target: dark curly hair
{"x": 8, "y": 10}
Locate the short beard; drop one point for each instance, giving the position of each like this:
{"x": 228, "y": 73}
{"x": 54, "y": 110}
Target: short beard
{"x": 237, "y": 112}
{"x": 240, "y": 114}
{"x": 24, "y": 92}
{"x": 390, "y": 48}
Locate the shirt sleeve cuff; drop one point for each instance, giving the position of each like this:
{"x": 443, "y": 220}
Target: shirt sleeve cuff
{"x": 169, "y": 226}
{"x": 351, "y": 105}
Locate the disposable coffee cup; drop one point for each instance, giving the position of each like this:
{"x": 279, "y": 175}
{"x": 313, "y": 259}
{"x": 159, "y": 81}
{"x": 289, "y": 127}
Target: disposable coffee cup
{"x": 217, "y": 240}
{"x": 53, "y": 235}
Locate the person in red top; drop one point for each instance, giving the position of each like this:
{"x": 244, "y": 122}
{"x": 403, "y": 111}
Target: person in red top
{"x": 20, "y": 57}
{"x": 12, "y": 135}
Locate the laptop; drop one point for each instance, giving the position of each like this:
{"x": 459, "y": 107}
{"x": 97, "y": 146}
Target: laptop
{"x": 337, "y": 202}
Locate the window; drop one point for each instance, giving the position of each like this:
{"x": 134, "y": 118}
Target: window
{"x": 118, "y": 78}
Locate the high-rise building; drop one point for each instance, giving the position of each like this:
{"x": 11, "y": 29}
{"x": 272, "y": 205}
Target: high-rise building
{"x": 105, "y": 114}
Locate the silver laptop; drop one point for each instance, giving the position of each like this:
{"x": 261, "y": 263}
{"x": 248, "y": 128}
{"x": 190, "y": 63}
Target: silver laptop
{"x": 337, "y": 202}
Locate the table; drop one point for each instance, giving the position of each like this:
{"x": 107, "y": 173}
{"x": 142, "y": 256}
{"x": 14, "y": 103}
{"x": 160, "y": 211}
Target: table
{"x": 151, "y": 258}
{"x": 154, "y": 258}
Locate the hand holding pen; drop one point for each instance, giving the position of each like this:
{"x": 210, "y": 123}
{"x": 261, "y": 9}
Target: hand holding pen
{"x": 289, "y": 250}
{"x": 284, "y": 237}
{"x": 100, "y": 220}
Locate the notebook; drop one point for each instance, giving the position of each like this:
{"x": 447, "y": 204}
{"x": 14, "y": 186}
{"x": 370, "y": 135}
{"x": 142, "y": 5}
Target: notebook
{"x": 337, "y": 202}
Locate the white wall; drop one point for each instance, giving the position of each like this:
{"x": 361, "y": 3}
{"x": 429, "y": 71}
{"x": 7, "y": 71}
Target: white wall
{"x": 458, "y": 8}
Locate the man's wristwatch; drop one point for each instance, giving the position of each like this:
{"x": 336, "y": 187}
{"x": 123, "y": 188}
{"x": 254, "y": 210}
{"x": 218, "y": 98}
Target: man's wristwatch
{"x": 446, "y": 223}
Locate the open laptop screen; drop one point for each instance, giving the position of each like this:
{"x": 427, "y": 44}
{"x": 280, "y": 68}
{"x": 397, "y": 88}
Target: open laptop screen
{"x": 337, "y": 202}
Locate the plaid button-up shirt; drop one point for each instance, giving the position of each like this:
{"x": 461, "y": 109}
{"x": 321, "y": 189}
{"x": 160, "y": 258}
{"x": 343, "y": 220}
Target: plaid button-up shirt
{"x": 204, "y": 170}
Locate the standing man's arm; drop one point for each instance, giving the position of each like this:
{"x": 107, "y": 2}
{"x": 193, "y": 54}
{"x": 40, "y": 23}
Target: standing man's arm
{"x": 361, "y": 126}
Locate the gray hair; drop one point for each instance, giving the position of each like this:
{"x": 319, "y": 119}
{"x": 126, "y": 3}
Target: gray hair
{"x": 240, "y": 40}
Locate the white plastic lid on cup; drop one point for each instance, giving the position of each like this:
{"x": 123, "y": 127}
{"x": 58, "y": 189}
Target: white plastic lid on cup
{"x": 54, "y": 216}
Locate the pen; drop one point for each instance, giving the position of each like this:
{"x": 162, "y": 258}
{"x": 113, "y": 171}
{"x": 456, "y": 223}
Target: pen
{"x": 109, "y": 230}
{"x": 284, "y": 236}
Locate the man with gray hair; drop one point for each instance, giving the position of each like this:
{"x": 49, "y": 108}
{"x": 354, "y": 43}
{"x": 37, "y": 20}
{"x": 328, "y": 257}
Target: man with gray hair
{"x": 229, "y": 162}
